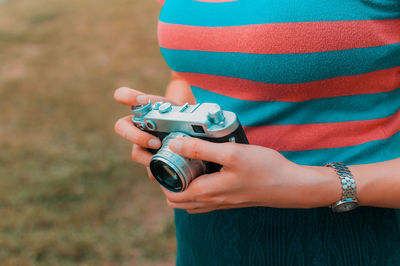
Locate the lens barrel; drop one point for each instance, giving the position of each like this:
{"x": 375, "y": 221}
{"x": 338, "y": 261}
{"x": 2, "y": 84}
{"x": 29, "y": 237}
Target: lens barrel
{"x": 173, "y": 171}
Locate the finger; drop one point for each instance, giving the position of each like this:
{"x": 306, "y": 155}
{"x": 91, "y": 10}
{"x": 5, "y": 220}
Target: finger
{"x": 202, "y": 189}
{"x": 178, "y": 197}
{"x": 223, "y": 207}
{"x": 199, "y": 210}
{"x": 125, "y": 128}
{"x": 227, "y": 154}
{"x": 150, "y": 174}
{"x": 141, "y": 155}
{"x": 185, "y": 206}
{"x": 131, "y": 97}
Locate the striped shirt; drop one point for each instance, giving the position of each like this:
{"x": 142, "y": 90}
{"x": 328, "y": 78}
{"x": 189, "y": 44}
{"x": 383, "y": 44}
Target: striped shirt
{"x": 317, "y": 80}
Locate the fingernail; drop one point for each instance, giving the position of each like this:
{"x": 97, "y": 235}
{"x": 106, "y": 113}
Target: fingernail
{"x": 119, "y": 92}
{"x": 142, "y": 99}
{"x": 176, "y": 144}
{"x": 154, "y": 143}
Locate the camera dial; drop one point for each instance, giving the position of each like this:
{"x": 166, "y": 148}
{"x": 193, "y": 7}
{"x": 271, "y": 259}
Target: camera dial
{"x": 165, "y": 108}
{"x": 140, "y": 111}
{"x": 215, "y": 115}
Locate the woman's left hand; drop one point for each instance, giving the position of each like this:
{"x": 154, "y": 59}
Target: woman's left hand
{"x": 251, "y": 176}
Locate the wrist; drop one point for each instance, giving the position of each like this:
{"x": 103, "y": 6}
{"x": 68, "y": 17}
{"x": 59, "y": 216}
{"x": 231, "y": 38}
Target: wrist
{"x": 324, "y": 186}
{"x": 363, "y": 185}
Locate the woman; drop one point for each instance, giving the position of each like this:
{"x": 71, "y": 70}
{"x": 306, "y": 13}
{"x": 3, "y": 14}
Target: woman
{"x": 313, "y": 82}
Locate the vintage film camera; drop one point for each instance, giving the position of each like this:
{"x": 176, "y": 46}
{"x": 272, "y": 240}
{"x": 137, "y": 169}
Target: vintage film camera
{"x": 206, "y": 121}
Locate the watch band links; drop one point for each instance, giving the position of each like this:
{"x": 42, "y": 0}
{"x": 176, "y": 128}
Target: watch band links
{"x": 349, "y": 188}
{"x": 348, "y": 184}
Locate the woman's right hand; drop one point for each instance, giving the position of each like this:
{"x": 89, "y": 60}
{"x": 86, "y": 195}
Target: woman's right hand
{"x": 125, "y": 128}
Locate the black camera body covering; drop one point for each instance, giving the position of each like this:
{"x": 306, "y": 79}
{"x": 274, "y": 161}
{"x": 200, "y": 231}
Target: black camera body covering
{"x": 206, "y": 121}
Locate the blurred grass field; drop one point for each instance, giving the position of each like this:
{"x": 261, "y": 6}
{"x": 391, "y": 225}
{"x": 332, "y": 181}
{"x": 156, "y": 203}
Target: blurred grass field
{"x": 69, "y": 193}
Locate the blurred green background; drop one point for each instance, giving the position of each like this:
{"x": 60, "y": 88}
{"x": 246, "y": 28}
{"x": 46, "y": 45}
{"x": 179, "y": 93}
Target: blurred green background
{"x": 69, "y": 193}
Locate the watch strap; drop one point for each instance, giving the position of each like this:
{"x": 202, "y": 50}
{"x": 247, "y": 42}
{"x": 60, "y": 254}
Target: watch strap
{"x": 349, "y": 188}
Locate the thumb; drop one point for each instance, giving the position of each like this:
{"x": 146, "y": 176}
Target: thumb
{"x": 226, "y": 154}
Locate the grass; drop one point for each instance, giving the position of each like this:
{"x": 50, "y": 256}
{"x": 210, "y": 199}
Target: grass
{"x": 69, "y": 193}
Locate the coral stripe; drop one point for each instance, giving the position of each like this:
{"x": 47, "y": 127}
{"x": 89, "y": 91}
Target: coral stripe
{"x": 373, "y": 82}
{"x": 323, "y": 135}
{"x": 279, "y": 38}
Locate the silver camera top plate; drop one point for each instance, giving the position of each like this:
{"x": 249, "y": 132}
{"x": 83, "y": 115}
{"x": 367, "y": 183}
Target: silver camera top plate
{"x": 201, "y": 120}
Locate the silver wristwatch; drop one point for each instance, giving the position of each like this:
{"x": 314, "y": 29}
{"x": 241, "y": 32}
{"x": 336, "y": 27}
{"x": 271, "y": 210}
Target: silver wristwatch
{"x": 348, "y": 201}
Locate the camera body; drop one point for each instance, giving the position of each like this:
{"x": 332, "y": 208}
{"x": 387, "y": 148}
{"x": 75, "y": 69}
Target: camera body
{"x": 206, "y": 121}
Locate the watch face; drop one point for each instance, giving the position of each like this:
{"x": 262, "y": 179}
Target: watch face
{"x": 344, "y": 206}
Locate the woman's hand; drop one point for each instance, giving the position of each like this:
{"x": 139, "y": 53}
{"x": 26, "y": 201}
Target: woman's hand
{"x": 251, "y": 176}
{"x": 125, "y": 128}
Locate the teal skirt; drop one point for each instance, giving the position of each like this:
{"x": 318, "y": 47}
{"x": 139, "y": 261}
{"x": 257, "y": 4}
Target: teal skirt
{"x": 269, "y": 236}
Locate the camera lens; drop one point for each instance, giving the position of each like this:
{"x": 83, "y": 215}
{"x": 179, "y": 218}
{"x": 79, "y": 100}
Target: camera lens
{"x": 173, "y": 171}
{"x": 166, "y": 176}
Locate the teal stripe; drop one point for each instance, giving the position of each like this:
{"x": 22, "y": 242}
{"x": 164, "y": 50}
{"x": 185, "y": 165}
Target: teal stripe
{"x": 370, "y": 152}
{"x": 324, "y": 110}
{"x": 247, "y": 12}
{"x": 285, "y": 68}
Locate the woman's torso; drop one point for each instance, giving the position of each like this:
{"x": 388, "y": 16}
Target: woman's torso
{"x": 318, "y": 81}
